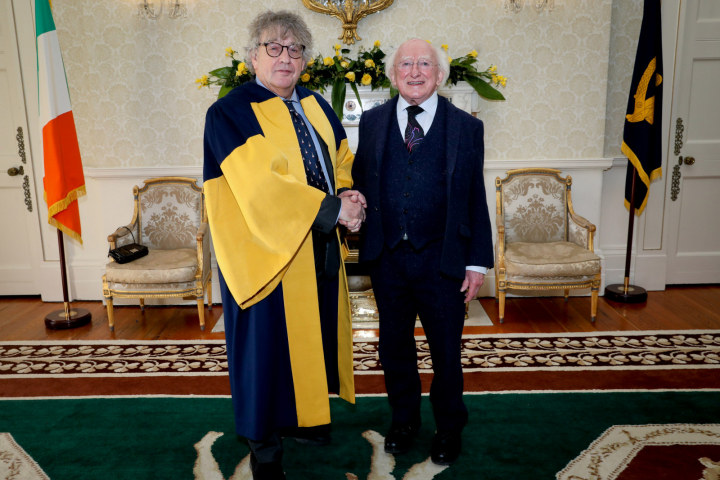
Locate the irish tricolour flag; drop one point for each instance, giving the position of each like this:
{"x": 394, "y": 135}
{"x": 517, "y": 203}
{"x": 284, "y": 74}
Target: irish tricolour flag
{"x": 64, "y": 180}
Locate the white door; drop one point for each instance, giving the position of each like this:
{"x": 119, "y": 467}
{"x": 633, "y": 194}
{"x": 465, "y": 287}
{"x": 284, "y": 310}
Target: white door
{"x": 19, "y": 227}
{"x": 694, "y": 194}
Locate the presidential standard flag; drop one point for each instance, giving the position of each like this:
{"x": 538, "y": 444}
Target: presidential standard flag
{"x": 64, "y": 181}
{"x": 642, "y": 135}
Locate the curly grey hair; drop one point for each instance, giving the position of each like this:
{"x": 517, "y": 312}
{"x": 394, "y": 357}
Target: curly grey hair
{"x": 441, "y": 58}
{"x": 272, "y": 25}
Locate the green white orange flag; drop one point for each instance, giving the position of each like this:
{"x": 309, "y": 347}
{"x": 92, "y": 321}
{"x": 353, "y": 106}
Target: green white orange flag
{"x": 64, "y": 181}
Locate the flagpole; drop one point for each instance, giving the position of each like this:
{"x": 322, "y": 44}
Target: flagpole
{"x": 627, "y": 293}
{"x": 68, "y": 317}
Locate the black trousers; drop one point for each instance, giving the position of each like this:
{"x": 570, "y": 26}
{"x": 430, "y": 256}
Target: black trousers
{"x": 408, "y": 283}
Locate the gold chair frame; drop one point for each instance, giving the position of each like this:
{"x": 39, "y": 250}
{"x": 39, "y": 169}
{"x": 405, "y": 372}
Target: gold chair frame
{"x": 198, "y": 290}
{"x": 501, "y": 281}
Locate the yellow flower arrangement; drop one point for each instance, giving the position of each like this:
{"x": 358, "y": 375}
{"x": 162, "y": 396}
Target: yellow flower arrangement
{"x": 367, "y": 69}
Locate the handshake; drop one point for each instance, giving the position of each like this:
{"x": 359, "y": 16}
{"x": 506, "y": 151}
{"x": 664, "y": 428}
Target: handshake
{"x": 352, "y": 212}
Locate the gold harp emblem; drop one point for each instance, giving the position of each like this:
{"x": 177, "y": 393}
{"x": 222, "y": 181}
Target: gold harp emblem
{"x": 645, "y": 107}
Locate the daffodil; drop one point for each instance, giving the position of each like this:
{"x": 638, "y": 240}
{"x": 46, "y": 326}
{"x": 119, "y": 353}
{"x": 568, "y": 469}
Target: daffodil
{"x": 493, "y": 69}
{"x": 350, "y": 76}
{"x": 305, "y": 77}
{"x": 445, "y": 47}
{"x": 338, "y": 46}
{"x": 377, "y": 43}
{"x": 503, "y": 81}
{"x": 344, "y": 64}
{"x": 203, "y": 81}
{"x": 495, "y": 79}
{"x": 229, "y": 52}
{"x": 241, "y": 69}
{"x": 328, "y": 61}
{"x": 337, "y": 53}
{"x": 366, "y": 79}
{"x": 473, "y": 54}
{"x": 369, "y": 63}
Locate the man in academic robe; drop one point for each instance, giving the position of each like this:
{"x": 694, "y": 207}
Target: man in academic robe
{"x": 277, "y": 178}
{"x": 427, "y": 238}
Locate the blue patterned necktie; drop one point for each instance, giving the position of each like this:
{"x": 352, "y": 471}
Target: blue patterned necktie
{"x": 313, "y": 170}
{"x": 413, "y": 132}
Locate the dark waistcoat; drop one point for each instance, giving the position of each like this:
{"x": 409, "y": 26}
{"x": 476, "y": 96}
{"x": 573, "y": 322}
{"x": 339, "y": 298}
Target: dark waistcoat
{"x": 413, "y": 188}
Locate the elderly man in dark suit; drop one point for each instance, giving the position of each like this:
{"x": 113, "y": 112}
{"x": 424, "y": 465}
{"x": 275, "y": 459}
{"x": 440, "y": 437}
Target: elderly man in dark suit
{"x": 427, "y": 238}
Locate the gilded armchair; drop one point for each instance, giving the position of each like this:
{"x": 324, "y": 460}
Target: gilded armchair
{"x": 170, "y": 218}
{"x": 542, "y": 244}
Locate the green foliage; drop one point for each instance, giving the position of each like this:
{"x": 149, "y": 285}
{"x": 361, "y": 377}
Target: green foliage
{"x": 367, "y": 69}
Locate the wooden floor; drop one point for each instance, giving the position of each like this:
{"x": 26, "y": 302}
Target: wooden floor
{"x": 677, "y": 308}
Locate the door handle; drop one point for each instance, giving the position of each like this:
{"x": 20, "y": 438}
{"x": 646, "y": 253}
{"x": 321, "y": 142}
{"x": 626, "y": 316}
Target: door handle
{"x": 16, "y": 171}
{"x": 689, "y": 160}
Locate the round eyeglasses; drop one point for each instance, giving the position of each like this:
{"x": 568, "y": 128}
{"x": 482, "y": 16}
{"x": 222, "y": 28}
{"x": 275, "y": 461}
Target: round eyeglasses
{"x": 275, "y": 49}
{"x": 422, "y": 65}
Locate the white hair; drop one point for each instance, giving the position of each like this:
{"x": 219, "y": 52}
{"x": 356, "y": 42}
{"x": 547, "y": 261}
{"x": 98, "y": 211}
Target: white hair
{"x": 441, "y": 58}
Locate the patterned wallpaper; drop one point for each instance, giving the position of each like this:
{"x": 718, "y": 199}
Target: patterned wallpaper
{"x": 626, "y": 20}
{"x": 136, "y": 104}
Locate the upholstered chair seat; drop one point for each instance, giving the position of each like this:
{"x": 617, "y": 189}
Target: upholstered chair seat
{"x": 171, "y": 220}
{"x": 553, "y": 259}
{"x": 542, "y": 243}
{"x": 158, "y": 266}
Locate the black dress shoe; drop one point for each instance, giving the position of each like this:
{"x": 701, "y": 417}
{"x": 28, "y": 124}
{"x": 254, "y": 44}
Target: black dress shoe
{"x": 317, "y": 436}
{"x": 446, "y": 447}
{"x": 266, "y": 471}
{"x": 400, "y": 437}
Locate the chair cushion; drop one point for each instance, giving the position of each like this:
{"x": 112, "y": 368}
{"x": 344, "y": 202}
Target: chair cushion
{"x": 158, "y": 266}
{"x": 553, "y": 259}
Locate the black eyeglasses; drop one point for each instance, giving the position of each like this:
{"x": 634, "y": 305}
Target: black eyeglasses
{"x": 275, "y": 49}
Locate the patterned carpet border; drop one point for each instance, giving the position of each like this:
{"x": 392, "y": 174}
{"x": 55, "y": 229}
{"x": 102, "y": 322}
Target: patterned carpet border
{"x": 662, "y": 350}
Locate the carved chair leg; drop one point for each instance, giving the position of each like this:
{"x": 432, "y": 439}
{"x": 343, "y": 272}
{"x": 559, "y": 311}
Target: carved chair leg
{"x": 209, "y": 292}
{"x": 142, "y": 304}
{"x": 501, "y": 296}
{"x": 497, "y": 288}
{"x": 567, "y": 294}
{"x": 111, "y": 318}
{"x": 593, "y": 304}
{"x": 201, "y": 311}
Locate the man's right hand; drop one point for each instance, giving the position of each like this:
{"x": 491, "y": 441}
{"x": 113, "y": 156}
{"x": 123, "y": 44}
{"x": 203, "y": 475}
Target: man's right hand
{"x": 352, "y": 214}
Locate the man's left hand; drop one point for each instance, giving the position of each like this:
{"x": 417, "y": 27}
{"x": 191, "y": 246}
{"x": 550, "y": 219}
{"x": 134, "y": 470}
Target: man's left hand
{"x": 472, "y": 283}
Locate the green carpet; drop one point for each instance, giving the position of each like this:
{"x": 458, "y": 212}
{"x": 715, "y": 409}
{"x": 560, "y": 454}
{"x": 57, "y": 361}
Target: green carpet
{"x": 510, "y": 436}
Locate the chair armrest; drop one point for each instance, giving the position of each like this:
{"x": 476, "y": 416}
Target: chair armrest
{"x": 580, "y": 231}
{"x": 203, "y": 246}
{"x": 119, "y": 234}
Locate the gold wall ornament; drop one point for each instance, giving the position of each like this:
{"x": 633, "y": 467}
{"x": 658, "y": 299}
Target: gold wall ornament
{"x": 350, "y": 12}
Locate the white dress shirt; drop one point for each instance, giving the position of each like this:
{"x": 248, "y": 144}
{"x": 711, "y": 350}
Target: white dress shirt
{"x": 425, "y": 119}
